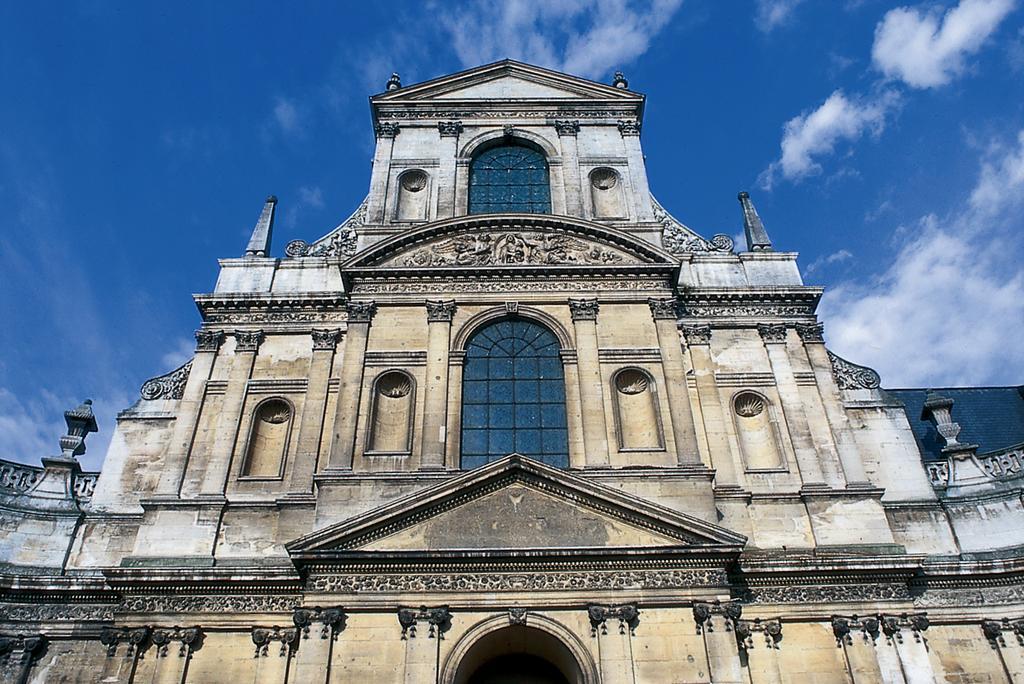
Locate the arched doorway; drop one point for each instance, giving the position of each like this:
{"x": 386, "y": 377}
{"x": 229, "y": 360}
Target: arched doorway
{"x": 519, "y": 654}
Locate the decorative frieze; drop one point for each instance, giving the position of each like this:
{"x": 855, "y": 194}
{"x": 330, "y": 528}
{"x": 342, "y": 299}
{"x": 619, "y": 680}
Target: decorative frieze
{"x": 248, "y": 341}
{"x": 215, "y": 603}
{"x": 850, "y": 376}
{"x": 697, "y": 334}
{"x": 440, "y": 311}
{"x": 325, "y": 340}
{"x": 810, "y": 332}
{"x": 439, "y": 620}
{"x": 970, "y": 596}
{"x": 57, "y": 612}
{"x": 663, "y": 309}
{"x": 513, "y": 248}
{"x": 331, "y": 620}
{"x": 481, "y": 286}
{"x": 449, "y": 129}
{"x": 263, "y": 637}
{"x": 583, "y": 309}
{"x": 516, "y": 581}
{"x": 361, "y": 312}
{"x": 628, "y": 127}
{"x": 772, "y": 333}
{"x": 828, "y": 593}
{"x": 534, "y": 111}
{"x": 628, "y": 616}
{"x": 168, "y": 386}
{"x": 387, "y": 129}
{"x": 567, "y": 126}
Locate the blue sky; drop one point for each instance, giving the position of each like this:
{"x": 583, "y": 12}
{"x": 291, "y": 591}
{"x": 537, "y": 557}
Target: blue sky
{"x": 883, "y": 141}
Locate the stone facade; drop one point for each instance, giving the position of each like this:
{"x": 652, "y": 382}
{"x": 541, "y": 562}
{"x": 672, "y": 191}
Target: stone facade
{"x": 733, "y": 502}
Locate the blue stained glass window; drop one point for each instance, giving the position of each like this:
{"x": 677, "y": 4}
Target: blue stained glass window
{"x": 509, "y": 178}
{"x": 513, "y": 395}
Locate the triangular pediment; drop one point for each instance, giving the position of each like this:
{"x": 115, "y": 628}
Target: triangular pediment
{"x": 517, "y": 505}
{"x": 509, "y": 241}
{"x": 508, "y": 80}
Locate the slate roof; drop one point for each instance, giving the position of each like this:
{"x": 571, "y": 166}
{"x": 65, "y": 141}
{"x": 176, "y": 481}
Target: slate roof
{"x": 991, "y": 417}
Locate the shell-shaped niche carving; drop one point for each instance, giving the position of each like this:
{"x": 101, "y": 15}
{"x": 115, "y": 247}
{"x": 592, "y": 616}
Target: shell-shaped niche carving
{"x": 756, "y": 431}
{"x": 606, "y": 193}
{"x": 413, "y": 195}
{"x": 636, "y": 410}
{"x": 391, "y": 423}
{"x": 268, "y": 439}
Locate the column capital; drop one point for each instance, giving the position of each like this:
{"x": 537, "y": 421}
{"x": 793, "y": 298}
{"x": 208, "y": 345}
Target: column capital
{"x": 387, "y": 129}
{"x": 631, "y": 127}
{"x": 209, "y": 340}
{"x": 697, "y": 334}
{"x": 772, "y": 333}
{"x": 361, "y": 312}
{"x": 440, "y": 311}
{"x": 663, "y": 309}
{"x": 449, "y": 129}
{"x": 248, "y": 340}
{"x": 567, "y": 126}
{"x": 583, "y": 309}
{"x": 811, "y": 332}
{"x": 325, "y": 340}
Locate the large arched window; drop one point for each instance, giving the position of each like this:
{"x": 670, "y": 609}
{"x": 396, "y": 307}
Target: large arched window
{"x": 509, "y": 178}
{"x": 513, "y": 395}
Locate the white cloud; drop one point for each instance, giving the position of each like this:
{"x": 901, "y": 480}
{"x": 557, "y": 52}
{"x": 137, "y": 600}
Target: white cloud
{"x": 950, "y": 307}
{"x": 286, "y": 114}
{"x": 812, "y": 135}
{"x": 182, "y": 351}
{"x": 926, "y": 50}
{"x": 774, "y": 13}
{"x": 828, "y": 259}
{"x": 311, "y": 197}
{"x": 577, "y": 36}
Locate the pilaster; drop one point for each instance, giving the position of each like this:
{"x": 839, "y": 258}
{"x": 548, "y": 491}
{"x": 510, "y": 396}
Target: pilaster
{"x": 386, "y": 132}
{"x": 435, "y": 402}
{"x": 630, "y": 131}
{"x": 346, "y": 418}
{"x": 698, "y": 340}
{"x": 311, "y": 422}
{"x": 567, "y": 131}
{"x": 447, "y": 152}
{"x": 595, "y": 427}
{"x": 665, "y": 315}
{"x": 774, "y": 337}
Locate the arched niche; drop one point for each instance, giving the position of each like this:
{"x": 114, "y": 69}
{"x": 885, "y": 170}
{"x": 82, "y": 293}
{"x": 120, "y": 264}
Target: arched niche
{"x": 413, "y": 195}
{"x": 606, "y": 196}
{"x": 269, "y": 434}
{"x": 541, "y": 638}
{"x": 757, "y": 431}
{"x": 391, "y": 413}
{"x": 638, "y": 422}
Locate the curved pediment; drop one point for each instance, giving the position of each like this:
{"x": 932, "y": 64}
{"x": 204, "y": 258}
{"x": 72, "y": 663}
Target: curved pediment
{"x": 509, "y": 241}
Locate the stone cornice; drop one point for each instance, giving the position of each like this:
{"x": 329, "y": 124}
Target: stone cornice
{"x": 751, "y": 303}
{"x": 312, "y": 308}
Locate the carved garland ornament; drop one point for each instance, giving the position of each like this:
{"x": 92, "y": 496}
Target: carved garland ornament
{"x": 511, "y": 248}
{"x": 439, "y": 619}
{"x": 628, "y": 616}
{"x": 168, "y": 386}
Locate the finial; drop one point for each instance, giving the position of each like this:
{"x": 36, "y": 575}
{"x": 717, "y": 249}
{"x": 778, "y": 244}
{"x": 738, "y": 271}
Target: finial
{"x": 753, "y": 228}
{"x": 395, "y": 82}
{"x": 259, "y": 243}
{"x": 81, "y": 422}
{"x": 619, "y": 81}
{"x": 939, "y": 410}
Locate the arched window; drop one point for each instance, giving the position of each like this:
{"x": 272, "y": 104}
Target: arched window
{"x": 513, "y": 395}
{"x": 509, "y": 178}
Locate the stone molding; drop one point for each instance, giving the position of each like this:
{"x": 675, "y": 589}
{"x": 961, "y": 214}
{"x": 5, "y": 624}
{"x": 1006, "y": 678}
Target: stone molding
{"x": 533, "y": 111}
{"x": 169, "y": 385}
{"x": 696, "y": 334}
{"x": 772, "y": 333}
{"x": 567, "y": 127}
{"x": 325, "y": 340}
{"x": 440, "y": 311}
{"x": 361, "y": 312}
{"x": 209, "y": 340}
{"x": 439, "y": 620}
{"x": 248, "y": 341}
{"x": 663, "y": 309}
{"x": 449, "y": 129}
{"x": 583, "y": 309}
{"x": 811, "y": 332}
